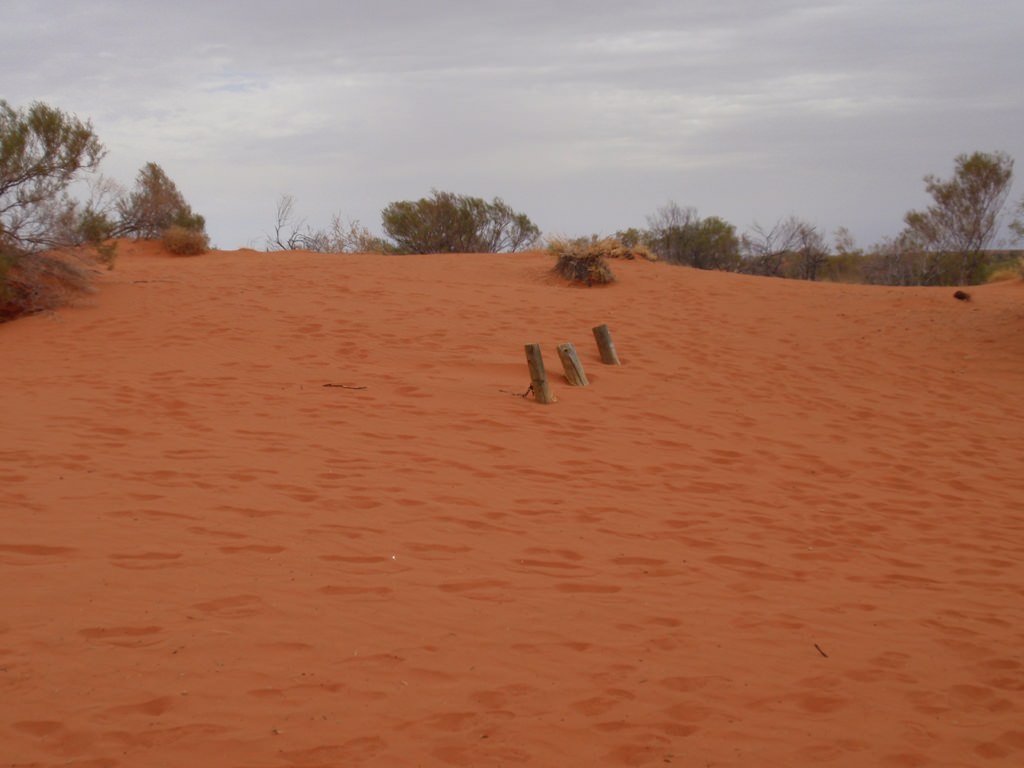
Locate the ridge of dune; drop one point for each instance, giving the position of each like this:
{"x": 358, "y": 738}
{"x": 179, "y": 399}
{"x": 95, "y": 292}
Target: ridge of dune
{"x": 788, "y": 530}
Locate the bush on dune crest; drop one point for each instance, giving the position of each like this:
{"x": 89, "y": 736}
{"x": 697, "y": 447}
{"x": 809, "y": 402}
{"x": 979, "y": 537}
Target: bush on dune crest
{"x": 450, "y": 223}
{"x": 36, "y": 282}
{"x": 155, "y": 206}
{"x": 43, "y": 152}
{"x": 294, "y": 234}
{"x": 583, "y": 261}
{"x": 185, "y": 242}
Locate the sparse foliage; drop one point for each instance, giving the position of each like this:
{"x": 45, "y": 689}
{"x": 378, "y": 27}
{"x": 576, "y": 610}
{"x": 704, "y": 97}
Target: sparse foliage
{"x": 845, "y": 244}
{"x": 679, "y": 236}
{"x": 964, "y": 217}
{"x": 341, "y": 237}
{"x": 154, "y": 205}
{"x": 286, "y": 233}
{"x": 1017, "y": 225}
{"x": 898, "y": 261}
{"x": 765, "y": 250}
{"x": 450, "y": 223}
{"x": 631, "y": 237}
{"x": 42, "y": 151}
{"x": 92, "y": 220}
{"x": 810, "y": 253}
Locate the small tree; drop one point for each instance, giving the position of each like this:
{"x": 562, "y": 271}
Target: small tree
{"x": 450, "y": 223}
{"x": 846, "y": 264}
{"x": 679, "y": 236}
{"x": 845, "y": 244}
{"x": 667, "y": 232}
{"x": 810, "y": 252}
{"x": 92, "y": 220}
{"x": 899, "y": 260}
{"x": 765, "y": 250}
{"x": 155, "y": 205}
{"x": 1017, "y": 225}
{"x": 287, "y": 236}
{"x": 631, "y": 237}
{"x": 42, "y": 151}
{"x": 964, "y": 218}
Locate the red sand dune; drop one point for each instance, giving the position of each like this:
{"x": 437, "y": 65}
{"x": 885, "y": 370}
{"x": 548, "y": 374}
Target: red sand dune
{"x": 788, "y": 531}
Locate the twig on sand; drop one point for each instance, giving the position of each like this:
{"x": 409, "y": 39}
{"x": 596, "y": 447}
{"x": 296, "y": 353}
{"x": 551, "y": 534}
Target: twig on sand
{"x": 820, "y": 651}
{"x": 518, "y": 394}
{"x": 344, "y": 386}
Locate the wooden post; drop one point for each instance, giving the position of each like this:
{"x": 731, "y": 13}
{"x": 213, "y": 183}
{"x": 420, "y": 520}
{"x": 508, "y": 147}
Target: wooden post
{"x": 605, "y": 345}
{"x": 572, "y": 366}
{"x": 538, "y": 378}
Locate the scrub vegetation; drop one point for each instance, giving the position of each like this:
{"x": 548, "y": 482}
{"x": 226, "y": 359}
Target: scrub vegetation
{"x": 50, "y": 238}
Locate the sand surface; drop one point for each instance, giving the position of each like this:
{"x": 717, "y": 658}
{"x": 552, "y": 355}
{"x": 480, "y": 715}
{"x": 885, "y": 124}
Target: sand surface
{"x": 788, "y": 531}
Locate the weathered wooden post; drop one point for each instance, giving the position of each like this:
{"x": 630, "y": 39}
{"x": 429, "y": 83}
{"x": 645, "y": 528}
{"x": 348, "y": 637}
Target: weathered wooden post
{"x": 572, "y": 366}
{"x": 605, "y": 345}
{"x": 538, "y": 378}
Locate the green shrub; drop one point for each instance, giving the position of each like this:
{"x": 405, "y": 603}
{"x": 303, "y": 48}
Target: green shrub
{"x": 43, "y": 151}
{"x": 185, "y": 242}
{"x": 583, "y": 261}
{"x": 680, "y": 236}
{"x": 155, "y": 205}
{"x": 450, "y": 223}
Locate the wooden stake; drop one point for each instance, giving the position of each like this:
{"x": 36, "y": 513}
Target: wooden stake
{"x": 605, "y": 345}
{"x": 572, "y": 366}
{"x": 538, "y": 378}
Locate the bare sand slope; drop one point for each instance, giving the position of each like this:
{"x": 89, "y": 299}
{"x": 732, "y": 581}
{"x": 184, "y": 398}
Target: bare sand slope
{"x": 788, "y": 531}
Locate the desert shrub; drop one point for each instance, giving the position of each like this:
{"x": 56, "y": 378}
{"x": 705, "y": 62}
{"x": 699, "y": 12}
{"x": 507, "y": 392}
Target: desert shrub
{"x": 182, "y": 241}
{"x": 582, "y": 261}
{"x": 94, "y": 226}
{"x": 1006, "y": 269}
{"x": 609, "y": 247}
{"x": 904, "y": 260}
{"x": 343, "y": 236}
{"x": 450, "y": 223}
{"x": 34, "y": 282}
{"x": 679, "y": 236}
{"x": 843, "y": 268}
{"x": 155, "y": 205}
{"x": 964, "y": 218}
{"x": 42, "y": 152}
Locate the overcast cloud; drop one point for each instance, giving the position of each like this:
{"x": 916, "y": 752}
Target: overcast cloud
{"x": 587, "y": 116}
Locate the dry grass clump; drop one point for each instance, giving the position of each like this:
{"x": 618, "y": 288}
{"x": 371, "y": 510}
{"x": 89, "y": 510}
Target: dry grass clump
{"x": 581, "y": 262}
{"x": 611, "y": 248}
{"x": 185, "y": 242}
{"x": 1008, "y": 272}
{"x": 36, "y": 282}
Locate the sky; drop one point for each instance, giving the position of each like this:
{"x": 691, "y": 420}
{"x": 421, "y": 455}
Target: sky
{"x": 586, "y": 116}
